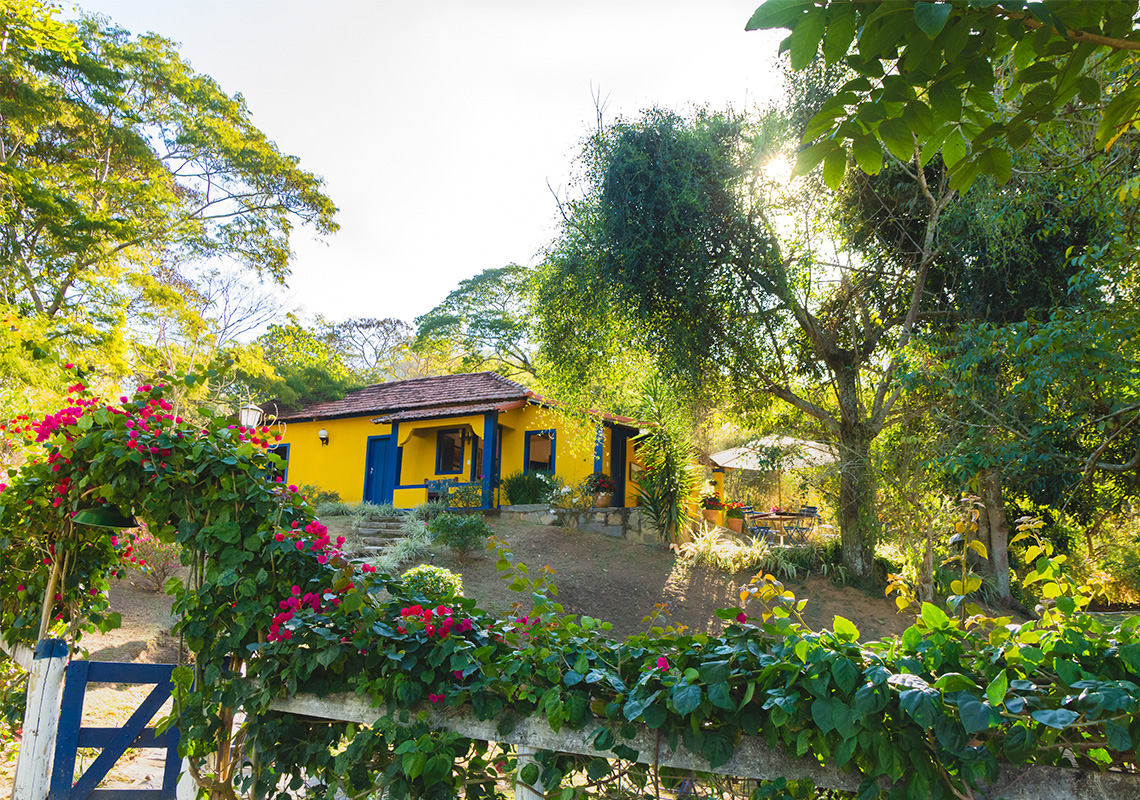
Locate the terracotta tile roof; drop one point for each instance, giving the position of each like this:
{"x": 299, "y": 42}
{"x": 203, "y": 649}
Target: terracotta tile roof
{"x": 458, "y": 410}
{"x": 436, "y": 393}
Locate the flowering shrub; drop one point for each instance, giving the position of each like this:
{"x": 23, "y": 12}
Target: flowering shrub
{"x": 734, "y": 510}
{"x": 151, "y": 562}
{"x": 434, "y": 583}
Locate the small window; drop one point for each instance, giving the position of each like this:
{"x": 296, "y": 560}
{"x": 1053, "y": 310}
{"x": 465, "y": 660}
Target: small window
{"x": 282, "y": 452}
{"x": 449, "y": 452}
{"x": 539, "y": 455}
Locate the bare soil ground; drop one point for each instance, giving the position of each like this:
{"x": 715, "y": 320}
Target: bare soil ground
{"x": 596, "y": 575}
{"x": 619, "y": 582}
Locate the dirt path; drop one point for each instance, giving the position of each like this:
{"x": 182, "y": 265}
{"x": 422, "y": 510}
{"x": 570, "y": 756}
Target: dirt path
{"x": 620, "y": 582}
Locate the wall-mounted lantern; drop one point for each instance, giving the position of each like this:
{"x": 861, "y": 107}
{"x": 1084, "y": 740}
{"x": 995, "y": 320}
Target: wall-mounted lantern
{"x": 323, "y": 435}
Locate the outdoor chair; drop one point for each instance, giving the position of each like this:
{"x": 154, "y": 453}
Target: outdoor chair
{"x": 809, "y": 511}
{"x": 439, "y": 491}
{"x": 796, "y": 534}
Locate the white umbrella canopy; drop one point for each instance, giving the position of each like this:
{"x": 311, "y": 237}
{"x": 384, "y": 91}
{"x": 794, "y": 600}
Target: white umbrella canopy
{"x": 771, "y": 453}
{"x": 777, "y": 454}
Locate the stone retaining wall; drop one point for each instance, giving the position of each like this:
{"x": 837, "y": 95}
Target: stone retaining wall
{"x": 620, "y": 523}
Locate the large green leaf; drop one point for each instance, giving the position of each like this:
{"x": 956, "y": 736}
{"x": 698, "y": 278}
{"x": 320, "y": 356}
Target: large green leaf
{"x": 840, "y": 31}
{"x": 976, "y": 715}
{"x": 777, "y": 14}
{"x": 1059, "y": 718}
{"x": 803, "y": 44}
{"x": 686, "y": 698}
{"x": 897, "y": 136}
{"x": 931, "y": 17}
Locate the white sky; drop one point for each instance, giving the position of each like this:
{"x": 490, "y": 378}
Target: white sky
{"x": 437, "y": 125}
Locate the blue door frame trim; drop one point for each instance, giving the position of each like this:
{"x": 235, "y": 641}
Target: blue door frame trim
{"x": 490, "y": 422}
{"x": 391, "y": 474}
{"x": 600, "y": 449}
{"x": 113, "y": 741}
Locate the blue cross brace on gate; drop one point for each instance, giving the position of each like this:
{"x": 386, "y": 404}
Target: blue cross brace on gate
{"x": 112, "y": 741}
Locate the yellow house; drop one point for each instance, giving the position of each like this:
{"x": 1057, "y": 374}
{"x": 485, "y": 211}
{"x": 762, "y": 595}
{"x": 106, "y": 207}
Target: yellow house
{"x": 394, "y": 442}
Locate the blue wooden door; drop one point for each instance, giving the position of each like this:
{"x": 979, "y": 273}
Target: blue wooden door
{"x": 377, "y": 484}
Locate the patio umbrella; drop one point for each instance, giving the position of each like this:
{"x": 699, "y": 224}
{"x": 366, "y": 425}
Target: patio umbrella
{"x": 776, "y": 454}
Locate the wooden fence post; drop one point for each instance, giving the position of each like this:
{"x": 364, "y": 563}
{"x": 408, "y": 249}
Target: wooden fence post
{"x": 41, "y": 721}
{"x": 523, "y": 791}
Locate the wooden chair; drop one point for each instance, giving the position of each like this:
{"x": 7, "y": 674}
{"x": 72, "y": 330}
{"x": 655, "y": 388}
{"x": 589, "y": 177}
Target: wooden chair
{"x": 439, "y": 490}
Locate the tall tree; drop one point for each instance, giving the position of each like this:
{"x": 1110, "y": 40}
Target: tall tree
{"x": 675, "y": 237}
{"x": 485, "y": 322}
{"x": 968, "y": 88}
{"x": 119, "y": 165}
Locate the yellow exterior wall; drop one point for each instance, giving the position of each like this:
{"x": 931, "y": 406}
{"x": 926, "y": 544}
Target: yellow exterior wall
{"x": 339, "y": 465}
{"x": 573, "y": 442}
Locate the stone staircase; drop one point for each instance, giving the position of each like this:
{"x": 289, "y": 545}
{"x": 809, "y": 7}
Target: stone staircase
{"x": 377, "y": 535}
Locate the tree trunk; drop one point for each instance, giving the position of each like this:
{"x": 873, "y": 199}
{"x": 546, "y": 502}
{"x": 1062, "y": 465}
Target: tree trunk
{"x": 990, "y": 484}
{"x": 858, "y": 525}
{"x": 926, "y": 577}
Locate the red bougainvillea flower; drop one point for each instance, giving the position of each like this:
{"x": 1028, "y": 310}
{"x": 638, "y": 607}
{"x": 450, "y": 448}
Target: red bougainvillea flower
{"x": 662, "y": 662}
{"x": 435, "y": 698}
{"x": 741, "y": 617}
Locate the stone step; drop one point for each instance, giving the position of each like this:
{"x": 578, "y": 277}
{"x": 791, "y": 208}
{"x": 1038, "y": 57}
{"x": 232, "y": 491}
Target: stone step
{"x": 379, "y": 534}
{"x": 381, "y": 526}
{"x": 373, "y": 549}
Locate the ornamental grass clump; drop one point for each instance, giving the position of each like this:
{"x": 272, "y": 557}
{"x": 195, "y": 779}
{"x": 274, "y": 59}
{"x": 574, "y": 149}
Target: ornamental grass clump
{"x": 434, "y": 583}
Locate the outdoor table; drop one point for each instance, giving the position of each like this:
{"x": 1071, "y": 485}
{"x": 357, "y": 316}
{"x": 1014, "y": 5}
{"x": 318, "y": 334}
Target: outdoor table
{"x": 778, "y": 520}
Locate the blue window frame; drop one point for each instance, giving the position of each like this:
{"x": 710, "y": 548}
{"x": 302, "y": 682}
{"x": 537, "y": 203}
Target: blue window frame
{"x": 449, "y": 451}
{"x": 538, "y": 451}
{"x": 282, "y": 452}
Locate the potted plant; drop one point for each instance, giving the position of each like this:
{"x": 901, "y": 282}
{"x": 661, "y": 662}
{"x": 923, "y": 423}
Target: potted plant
{"x": 602, "y": 486}
{"x": 711, "y": 506}
{"x": 734, "y": 517}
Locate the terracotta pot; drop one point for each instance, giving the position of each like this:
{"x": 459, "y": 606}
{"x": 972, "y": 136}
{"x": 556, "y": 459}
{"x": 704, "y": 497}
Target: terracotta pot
{"x": 710, "y": 514}
{"x": 736, "y": 525}
{"x": 603, "y": 499}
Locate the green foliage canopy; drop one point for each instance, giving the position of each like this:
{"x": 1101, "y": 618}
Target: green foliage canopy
{"x": 926, "y": 74}
{"x": 486, "y": 322}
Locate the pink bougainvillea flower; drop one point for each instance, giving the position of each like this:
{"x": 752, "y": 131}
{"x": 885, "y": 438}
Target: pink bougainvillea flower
{"x": 435, "y": 698}
{"x": 458, "y": 673}
{"x": 741, "y": 617}
{"x": 279, "y": 537}
{"x": 662, "y": 662}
